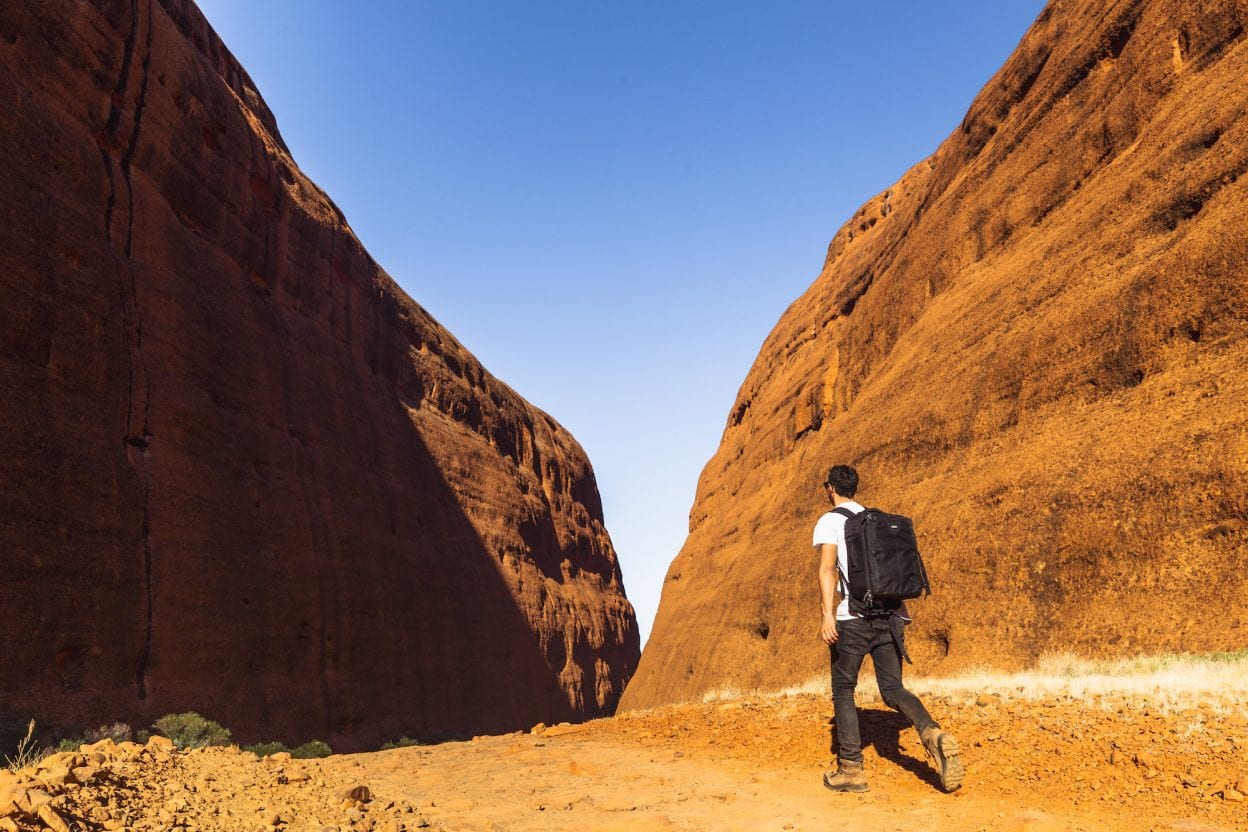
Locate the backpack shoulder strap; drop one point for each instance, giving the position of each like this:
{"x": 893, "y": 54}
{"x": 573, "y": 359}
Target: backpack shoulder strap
{"x": 847, "y": 514}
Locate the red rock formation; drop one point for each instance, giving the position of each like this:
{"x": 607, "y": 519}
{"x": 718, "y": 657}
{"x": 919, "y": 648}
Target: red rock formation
{"x": 242, "y": 471}
{"x": 1034, "y": 344}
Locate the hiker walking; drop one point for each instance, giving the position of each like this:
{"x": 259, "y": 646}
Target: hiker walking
{"x": 869, "y": 626}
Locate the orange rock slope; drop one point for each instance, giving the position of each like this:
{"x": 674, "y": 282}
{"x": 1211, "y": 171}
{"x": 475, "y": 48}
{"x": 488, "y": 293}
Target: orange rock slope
{"x": 1033, "y": 343}
{"x": 243, "y": 472}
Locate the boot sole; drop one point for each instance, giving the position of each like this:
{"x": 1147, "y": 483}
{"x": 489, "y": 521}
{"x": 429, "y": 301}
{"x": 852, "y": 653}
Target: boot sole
{"x": 949, "y": 762}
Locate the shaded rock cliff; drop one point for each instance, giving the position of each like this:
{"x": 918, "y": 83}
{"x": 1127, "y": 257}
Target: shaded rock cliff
{"x": 1034, "y": 344}
{"x": 243, "y": 473}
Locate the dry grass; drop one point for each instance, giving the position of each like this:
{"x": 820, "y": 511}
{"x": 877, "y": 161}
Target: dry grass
{"x": 1169, "y": 682}
{"x": 28, "y": 751}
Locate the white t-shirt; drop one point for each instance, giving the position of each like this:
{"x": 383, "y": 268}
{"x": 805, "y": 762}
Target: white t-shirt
{"x": 831, "y": 529}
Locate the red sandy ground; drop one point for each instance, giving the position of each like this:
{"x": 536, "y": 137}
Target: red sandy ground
{"x": 751, "y": 764}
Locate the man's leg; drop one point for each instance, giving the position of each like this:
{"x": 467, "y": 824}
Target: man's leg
{"x": 845, "y": 667}
{"x": 941, "y": 745}
{"x": 847, "y": 655}
{"x": 887, "y": 660}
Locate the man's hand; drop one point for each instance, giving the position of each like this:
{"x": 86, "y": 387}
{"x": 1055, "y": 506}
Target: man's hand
{"x": 828, "y": 630}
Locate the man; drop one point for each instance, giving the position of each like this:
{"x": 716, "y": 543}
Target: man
{"x": 851, "y": 637}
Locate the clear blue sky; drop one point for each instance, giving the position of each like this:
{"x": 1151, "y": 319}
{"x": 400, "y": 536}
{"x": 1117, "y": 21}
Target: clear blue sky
{"x": 612, "y": 203}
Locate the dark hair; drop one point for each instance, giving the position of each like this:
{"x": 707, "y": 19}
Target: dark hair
{"x": 843, "y": 479}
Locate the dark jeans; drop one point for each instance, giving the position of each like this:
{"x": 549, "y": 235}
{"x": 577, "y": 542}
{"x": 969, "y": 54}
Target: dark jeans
{"x": 858, "y": 638}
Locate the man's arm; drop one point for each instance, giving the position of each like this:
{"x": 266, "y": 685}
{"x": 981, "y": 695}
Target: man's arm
{"x": 829, "y": 591}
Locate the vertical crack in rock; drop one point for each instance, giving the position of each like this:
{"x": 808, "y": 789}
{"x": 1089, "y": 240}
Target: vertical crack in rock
{"x": 128, "y": 157}
{"x": 136, "y": 442}
{"x": 114, "y": 116}
{"x": 144, "y": 438}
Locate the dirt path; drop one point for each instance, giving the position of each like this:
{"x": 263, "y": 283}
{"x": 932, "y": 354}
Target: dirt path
{"x": 756, "y": 765}
{"x": 1050, "y": 766}
{"x": 585, "y": 783}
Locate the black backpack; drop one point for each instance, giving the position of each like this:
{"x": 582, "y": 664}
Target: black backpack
{"x": 885, "y": 567}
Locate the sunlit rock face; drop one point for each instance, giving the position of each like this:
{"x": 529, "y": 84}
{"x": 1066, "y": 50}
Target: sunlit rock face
{"x": 1033, "y": 343}
{"x": 244, "y": 473}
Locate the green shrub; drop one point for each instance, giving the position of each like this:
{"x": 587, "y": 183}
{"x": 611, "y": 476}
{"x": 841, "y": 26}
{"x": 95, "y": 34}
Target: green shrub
{"x": 190, "y": 730}
{"x": 310, "y": 750}
{"x": 69, "y": 744}
{"x": 264, "y": 749}
{"x": 401, "y": 742}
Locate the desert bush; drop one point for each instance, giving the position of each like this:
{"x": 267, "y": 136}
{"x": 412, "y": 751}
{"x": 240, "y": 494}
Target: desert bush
{"x": 310, "y": 750}
{"x": 264, "y": 749}
{"x": 117, "y": 732}
{"x": 401, "y": 742}
{"x": 190, "y": 730}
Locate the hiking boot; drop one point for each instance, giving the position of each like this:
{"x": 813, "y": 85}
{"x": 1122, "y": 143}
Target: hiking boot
{"x": 848, "y": 777}
{"x": 943, "y": 749}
